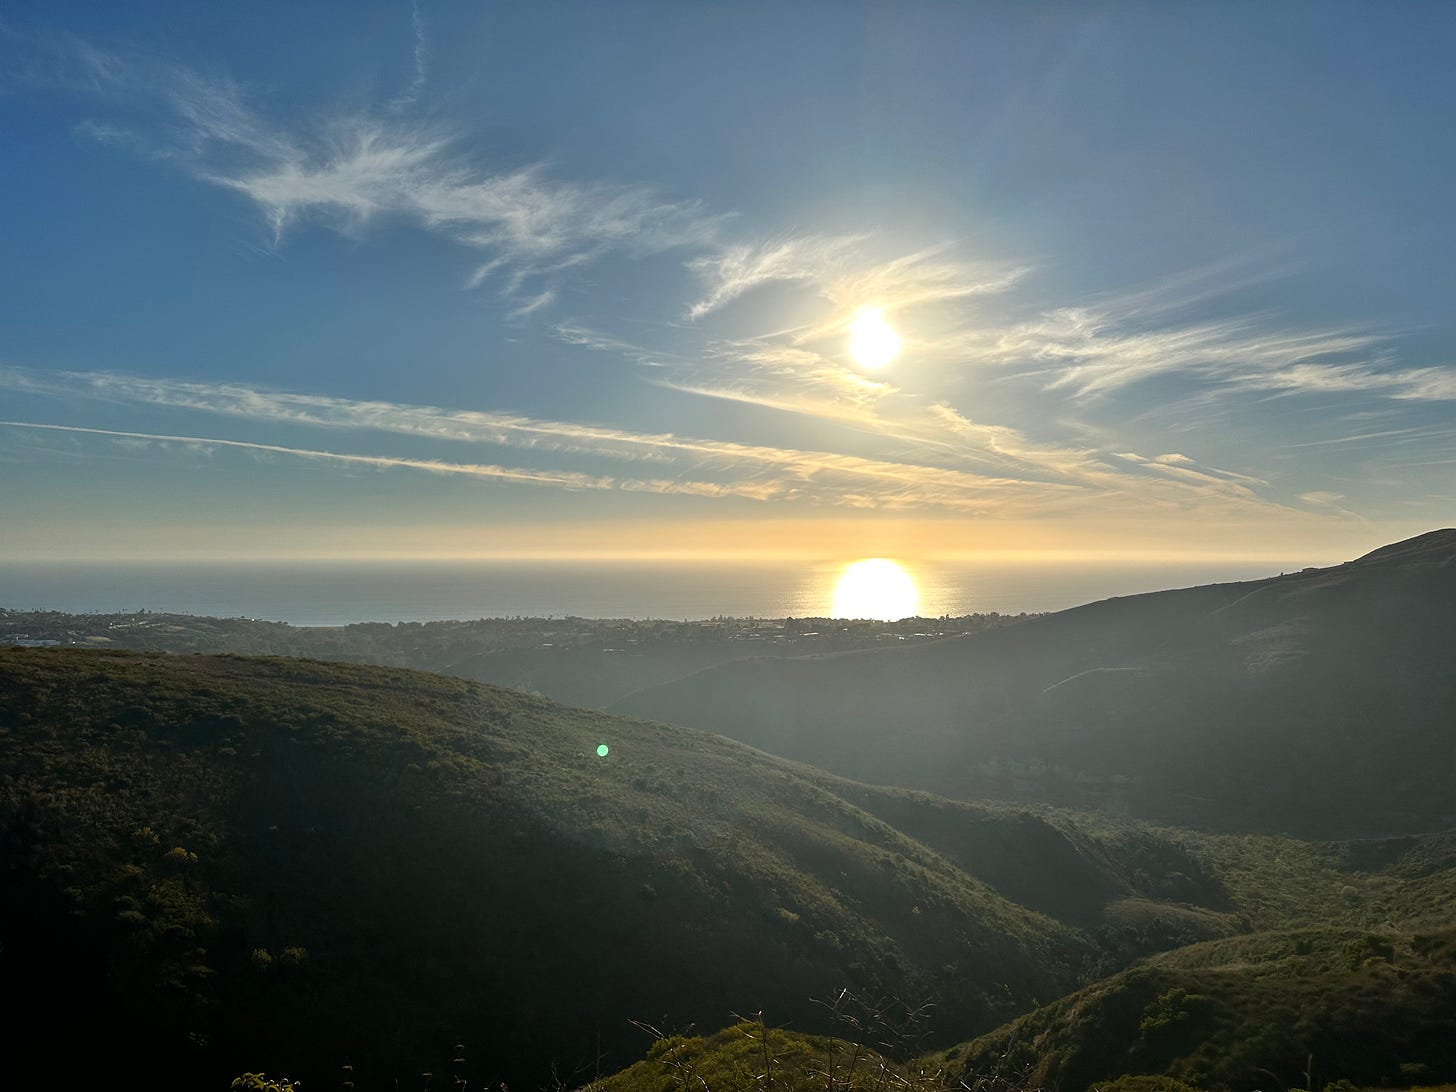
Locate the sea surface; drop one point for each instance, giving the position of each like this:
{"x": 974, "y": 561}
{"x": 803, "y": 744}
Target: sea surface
{"x": 321, "y": 593}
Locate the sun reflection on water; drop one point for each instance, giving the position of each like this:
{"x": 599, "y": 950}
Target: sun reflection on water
{"x": 875, "y": 587}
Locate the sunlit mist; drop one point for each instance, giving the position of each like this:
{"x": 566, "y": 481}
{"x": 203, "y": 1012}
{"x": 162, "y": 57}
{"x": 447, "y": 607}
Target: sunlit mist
{"x": 872, "y": 341}
{"x": 875, "y": 588}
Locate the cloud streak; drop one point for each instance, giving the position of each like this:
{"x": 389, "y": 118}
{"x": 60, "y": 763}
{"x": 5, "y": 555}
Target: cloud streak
{"x": 1034, "y": 479}
{"x": 735, "y": 270}
{"x": 421, "y": 58}
{"x": 795, "y": 380}
{"x": 842, "y": 271}
{"x": 1091, "y": 351}
{"x": 510, "y": 475}
{"x": 350, "y": 170}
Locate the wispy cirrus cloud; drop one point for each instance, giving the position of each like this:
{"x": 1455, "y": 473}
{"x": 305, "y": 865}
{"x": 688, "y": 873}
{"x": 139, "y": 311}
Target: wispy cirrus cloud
{"x": 790, "y": 379}
{"x": 1090, "y": 351}
{"x": 1062, "y": 481}
{"x": 1329, "y": 501}
{"x": 349, "y": 169}
{"x": 530, "y": 229}
{"x": 933, "y": 432}
{"x": 565, "y": 479}
{"x": 842, "y": 269}
{"x": 758, "y": 471}
{"x": 1102, "y": 348}
{"x": 1106, "y": 344}
{"x": 1075, "y": 353}
{"x": 420, "y": 55}
{"x": 741, "y": 267}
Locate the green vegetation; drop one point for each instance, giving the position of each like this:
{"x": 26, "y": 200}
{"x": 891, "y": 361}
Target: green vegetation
{"x": 752, "y": 1055}
{"x": 1374, "y": 1008}
{"x": 219, "y": 864}
{"x": 258, "y": 1082}
{"x": 1143, "y": 1082}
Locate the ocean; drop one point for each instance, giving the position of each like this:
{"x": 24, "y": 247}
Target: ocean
{"x": 324, "y": 593}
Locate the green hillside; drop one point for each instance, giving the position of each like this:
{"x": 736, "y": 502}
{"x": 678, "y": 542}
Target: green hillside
{"x": 1350, "y": 966}
{"x": 219, "y": 863}
{"x": 223, "y": 864}
{"x": 1300, "y": 1008}
{"x": 1271, "y": 705}
{"x": 752, "y": 1054}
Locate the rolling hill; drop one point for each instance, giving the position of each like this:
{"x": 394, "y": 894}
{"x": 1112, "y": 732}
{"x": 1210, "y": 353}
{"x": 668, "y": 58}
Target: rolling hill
{"x": 1321, "y": 703}
{"x": 1305, "y": 1007}
{"x": 222, "y": 863}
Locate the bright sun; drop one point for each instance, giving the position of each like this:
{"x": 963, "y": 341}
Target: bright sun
{"x": 872, "y": 341}
{"x": 875, "y": 588}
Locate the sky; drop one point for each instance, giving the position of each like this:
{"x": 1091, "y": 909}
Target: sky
{"x": 579, "y": 280}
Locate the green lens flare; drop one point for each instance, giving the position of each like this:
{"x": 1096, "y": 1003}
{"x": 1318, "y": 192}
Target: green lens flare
{"x": 602, "y": 750}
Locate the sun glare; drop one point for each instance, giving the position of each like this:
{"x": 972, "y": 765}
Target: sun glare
{"x": 875, "y": 588}
{"x": 872, "y": 341}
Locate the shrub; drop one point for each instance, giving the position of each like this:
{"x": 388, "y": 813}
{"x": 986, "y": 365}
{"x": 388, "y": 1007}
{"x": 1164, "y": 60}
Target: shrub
{"x": 1143, "y": 1082}
{"x": 257, "y": 1082}
{"x": 1170, "y": 1010}
{"x": 1364, "y": 949}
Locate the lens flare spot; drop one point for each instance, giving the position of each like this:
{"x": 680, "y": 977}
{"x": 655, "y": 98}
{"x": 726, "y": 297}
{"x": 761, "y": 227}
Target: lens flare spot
{"x": 603, "y": 750}
{"x": 875, "y": 588}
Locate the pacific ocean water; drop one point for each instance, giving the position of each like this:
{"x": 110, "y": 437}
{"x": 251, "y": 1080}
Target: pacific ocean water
{"x": 327, "y": 593}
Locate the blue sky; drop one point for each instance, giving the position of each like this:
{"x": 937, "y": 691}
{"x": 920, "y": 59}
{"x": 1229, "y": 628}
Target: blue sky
{"x": 577, "y": 279}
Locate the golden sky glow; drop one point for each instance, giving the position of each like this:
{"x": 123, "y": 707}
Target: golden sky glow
{"x": 1311, "y": 541}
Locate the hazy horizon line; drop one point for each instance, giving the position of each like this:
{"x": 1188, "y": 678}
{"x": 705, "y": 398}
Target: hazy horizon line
{"x": 737, "y": 557}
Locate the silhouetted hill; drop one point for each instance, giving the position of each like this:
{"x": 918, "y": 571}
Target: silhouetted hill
{"x": 1321, "y": 702}
{"x": 220, "y": 863}
{"x": 1431, "y": 548}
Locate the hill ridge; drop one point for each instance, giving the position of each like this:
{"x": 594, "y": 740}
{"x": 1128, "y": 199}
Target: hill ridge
{"x": 1438, "y": 546}
{"x": 1276, "y": 701}
{"x": 226, "y": 834}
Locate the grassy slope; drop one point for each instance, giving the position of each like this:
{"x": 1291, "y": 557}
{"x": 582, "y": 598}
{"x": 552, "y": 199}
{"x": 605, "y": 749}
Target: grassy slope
{"x": 1235, "y": 1012}
{"x": 751, "y": 1055}
{"x": 1352, "y": 960}
{"x": 456, "y": 861}
{"x": 1271, "y": 705}
{"x": 460, "y": 865}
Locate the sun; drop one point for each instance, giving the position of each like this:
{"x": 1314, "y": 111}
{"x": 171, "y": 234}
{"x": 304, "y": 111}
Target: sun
{"x": 875, "y": 588}
{"x": 872, "y": 341}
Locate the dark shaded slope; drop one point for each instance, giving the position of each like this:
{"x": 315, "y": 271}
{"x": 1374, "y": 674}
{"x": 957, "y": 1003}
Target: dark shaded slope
{"x": 589, "y": 677}
{"x": 1320, "y": 702}
{"x": 218, "y": 863}
{"x": 1357, "y": 1005}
